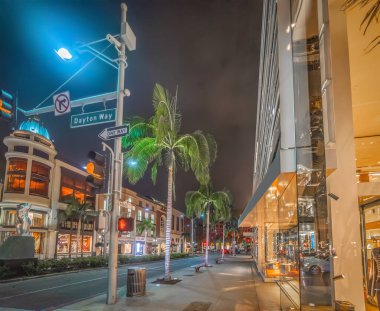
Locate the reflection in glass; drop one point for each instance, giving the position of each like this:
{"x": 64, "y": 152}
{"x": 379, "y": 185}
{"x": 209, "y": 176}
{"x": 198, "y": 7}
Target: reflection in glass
{"x": 313, "y": 232}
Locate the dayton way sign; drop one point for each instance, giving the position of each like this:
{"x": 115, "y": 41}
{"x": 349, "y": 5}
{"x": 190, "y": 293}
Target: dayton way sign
{"x": 114, "y": 132}
{"x": 92, "y": 118}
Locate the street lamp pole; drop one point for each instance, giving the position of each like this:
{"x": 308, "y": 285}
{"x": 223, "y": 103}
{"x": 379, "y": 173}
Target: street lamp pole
{"x": 112, "y": 262}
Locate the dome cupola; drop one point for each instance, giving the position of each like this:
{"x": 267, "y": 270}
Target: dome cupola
{"x": 34, "y": 125}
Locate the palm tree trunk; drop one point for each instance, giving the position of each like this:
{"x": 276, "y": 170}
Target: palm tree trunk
{"x": 169, "y": 216}
{"x": 233, "y": 244}
{"x": 145, "y": 235}
{"x": 207, "y": 233}
{"x": 192, "y": 236}
{"x": 78, "y": 235}
{"x": 223, "y": 243}
{"x": 81, "y": 241}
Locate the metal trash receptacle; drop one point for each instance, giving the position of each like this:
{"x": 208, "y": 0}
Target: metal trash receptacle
{"x": 344, "y": 306}
{"x": 136, "y": 281}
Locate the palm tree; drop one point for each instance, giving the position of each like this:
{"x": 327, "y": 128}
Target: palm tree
{"x": 184, "y": 236}
{"x": 67, "y": 214}
{"x": 158, "y": 141}
{"x": 144, "y": 226}
{"x": 224, "y": 216}
{"x": 81, "y": 211}
{"x": 233, "y": 230}
{"x": 204, "y": 200}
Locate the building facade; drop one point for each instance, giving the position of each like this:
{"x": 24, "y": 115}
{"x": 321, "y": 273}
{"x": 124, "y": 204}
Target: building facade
{"x": 316, "y": 156}
{"x": 138, "y": 207}
{"x": 34, "y": 175}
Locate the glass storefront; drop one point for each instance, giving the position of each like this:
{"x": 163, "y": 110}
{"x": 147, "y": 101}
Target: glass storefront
{"x": 370, "y": 219}
{"x": 69, "y": 244}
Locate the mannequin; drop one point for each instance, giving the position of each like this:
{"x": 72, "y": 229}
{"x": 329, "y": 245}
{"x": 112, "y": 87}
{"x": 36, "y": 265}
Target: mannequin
{"x": 374, "y": 278}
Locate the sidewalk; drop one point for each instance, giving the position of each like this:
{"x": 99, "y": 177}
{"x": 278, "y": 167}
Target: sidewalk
{"x": 232, "y": 285}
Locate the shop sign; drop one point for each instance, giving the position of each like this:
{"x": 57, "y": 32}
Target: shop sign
{"x": 248, "y": 234}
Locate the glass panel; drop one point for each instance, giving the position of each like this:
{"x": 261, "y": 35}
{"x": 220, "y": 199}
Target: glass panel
{"x": 313, "y": 231}
{"x": 9, "y": 218}
{"x": 39, "y": 182}
{"x": 16, "y": 175}
{"x": 63, "y": 243}
{"x": 38, "y": 220}
{"x": 39, "y": 239}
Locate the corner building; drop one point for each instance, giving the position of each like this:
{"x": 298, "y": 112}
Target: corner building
{"x": 315, "y": 208}
{"x": 35, "y": 175}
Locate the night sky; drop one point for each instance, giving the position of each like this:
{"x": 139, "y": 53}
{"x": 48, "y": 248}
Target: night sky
{"x": 210, "y": 49}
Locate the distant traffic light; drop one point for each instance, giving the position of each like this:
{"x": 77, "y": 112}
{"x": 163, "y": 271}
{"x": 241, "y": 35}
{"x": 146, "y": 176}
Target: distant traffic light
{"x": 7, "y": 106}
{"x": 96, "y": 168}
{"x": 125, "y": 224}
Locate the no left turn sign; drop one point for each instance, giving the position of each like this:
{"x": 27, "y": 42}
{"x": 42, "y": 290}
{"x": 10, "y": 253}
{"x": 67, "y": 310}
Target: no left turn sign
{"x": 61, "y": 103}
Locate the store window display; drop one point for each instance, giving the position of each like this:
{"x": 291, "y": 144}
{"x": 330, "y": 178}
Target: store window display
{"x": 371, "y": 241}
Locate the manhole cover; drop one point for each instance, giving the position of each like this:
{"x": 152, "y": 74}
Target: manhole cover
{"x": 198, "y": 306}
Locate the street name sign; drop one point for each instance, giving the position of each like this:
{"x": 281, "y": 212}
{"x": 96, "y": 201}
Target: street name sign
{"x": 61, "y": 103}
{"x": 114, "y": 132}
{"x": 93, "y": 118}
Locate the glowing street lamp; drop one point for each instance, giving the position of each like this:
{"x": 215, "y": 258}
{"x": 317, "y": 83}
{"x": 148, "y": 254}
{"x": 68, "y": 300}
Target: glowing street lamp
{"x": 64, "y": 54}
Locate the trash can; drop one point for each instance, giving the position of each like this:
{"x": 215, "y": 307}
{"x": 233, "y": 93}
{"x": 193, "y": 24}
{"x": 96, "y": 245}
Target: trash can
{"x": 136, "y": 281}
{"x": 344, "y": 306}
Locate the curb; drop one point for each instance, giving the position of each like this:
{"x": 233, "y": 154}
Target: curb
{"x": 77, "y": 271}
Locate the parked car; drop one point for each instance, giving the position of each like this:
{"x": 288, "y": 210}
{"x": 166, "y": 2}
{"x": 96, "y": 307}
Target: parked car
{"x": 316, "y": 264}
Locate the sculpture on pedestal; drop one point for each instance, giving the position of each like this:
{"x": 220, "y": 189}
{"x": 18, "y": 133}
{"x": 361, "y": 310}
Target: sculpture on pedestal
{"x": 23, "y": 221}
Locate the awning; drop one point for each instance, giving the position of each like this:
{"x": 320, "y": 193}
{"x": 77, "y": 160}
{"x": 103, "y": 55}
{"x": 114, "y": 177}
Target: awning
{"x": 273, "y": 171}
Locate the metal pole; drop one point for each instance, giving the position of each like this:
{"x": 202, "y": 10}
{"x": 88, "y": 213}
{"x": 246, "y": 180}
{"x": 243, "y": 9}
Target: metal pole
{"x": 112, "y": 262}
{"x": 192, "y": 236}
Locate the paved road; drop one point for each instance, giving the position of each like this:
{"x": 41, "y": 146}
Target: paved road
{"x": 51, "y": 292}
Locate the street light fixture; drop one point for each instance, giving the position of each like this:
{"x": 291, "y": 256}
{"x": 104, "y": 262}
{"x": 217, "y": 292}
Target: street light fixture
{"x": 64, "y": 54}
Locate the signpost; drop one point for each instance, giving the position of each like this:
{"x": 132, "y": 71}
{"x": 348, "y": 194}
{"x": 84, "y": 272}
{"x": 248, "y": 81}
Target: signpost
{"x": 114, "y": 132}
{"x": 92, "y": 118}
{"x": 61, "y": 103}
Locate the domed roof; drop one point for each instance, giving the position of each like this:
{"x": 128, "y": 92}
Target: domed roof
{"x": 34, "y": 125}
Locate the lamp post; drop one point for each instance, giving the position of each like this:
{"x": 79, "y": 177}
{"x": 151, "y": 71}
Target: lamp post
{"x": 118, "y": 166}
{"x": 120, "y": 42}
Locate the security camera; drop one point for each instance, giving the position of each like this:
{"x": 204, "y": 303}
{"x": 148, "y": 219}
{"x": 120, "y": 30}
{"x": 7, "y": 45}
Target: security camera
{"x": 111, "y": 39}
{"x": 333, "y": 196}
{"x": 127, "y": 92}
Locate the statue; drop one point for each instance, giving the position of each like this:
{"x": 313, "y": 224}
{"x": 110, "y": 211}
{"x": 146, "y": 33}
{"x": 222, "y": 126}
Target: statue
{"x": 23, "y": 221}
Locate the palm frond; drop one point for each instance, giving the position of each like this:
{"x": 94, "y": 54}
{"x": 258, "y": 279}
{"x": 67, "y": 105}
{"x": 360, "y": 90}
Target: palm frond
{"x": 371, "y": 15}
{"x": 138, "y": 128}
{"x": 142, "y": 154}
{"x": 194, "y": 203}
{"x": 143, "y": 225}
{"x": 374, "y": 43}
{"x": 164, "y": 118}
{"x": 195, "y": 147}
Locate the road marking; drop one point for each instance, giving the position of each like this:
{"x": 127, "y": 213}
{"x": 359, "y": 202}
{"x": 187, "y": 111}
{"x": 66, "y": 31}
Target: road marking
{"x": 55, "y": 287}
{"x": 81, "y": 282}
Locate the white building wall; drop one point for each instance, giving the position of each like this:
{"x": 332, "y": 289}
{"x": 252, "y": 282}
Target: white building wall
{"x": 345, "y": 217}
